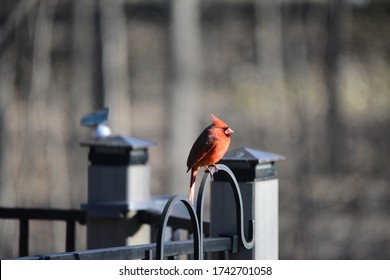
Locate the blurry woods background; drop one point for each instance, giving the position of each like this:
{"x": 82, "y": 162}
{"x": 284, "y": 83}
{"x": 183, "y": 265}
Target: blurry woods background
{"x": 306, "y": 79}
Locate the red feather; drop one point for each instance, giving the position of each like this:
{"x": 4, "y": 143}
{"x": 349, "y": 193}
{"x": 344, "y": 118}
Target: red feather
{"x": 208, "y": 149}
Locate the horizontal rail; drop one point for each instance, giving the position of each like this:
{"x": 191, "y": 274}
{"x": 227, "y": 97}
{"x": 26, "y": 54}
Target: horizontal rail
{"x": 43, "y": 214}
{"x": 145, "y": 251}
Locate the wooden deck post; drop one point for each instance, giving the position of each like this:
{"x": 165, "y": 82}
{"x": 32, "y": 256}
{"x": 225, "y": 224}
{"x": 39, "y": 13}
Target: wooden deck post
{"x": 118, "y": 186}
{"x": 255, "y": 172}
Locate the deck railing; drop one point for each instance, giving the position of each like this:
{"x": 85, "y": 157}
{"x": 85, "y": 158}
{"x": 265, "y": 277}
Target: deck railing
{"x": 243, "y": 210}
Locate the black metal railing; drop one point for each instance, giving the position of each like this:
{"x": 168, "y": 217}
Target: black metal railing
{"x": 25, "y": 215}
{"x": 172, "y": 249}
{"x": 196, "y": 247}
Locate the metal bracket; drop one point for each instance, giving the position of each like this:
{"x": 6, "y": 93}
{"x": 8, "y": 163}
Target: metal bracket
{"x": 247, "y": 244}
{"x": 197, "y": 217}
{"x": 163, "y": 225}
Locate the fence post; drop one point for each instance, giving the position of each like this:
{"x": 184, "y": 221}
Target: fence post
{"x": 255, "y": 172}
{"x": 118, "y": 186}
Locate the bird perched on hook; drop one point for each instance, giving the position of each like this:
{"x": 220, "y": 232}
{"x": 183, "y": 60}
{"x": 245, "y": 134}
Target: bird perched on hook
{"x": 208, "y": 149}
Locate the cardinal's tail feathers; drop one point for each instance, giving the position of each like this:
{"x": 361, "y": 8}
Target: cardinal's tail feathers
{"x": 194, "y": 171}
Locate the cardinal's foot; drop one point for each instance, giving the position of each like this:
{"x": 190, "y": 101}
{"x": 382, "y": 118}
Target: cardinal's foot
{"x": 215, "y": 168}
{"x": 208, "y": 170}
{"x": 212, "y": 172}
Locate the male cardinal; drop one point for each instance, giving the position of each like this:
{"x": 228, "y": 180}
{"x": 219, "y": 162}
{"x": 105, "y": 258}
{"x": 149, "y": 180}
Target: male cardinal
{"x": 208, "y": 149}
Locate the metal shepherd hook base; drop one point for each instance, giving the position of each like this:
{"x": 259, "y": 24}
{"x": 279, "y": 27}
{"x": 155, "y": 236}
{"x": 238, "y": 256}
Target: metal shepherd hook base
{"x": 197, "y": 217}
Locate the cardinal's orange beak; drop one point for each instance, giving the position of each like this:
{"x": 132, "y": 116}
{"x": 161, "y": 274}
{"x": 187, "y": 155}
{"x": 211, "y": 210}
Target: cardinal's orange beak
{"x": 228, "y": 131}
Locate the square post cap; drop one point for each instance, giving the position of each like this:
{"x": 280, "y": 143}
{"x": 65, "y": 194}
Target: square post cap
{"x": 249, "y": 164}
{"x": 118, "y": 150}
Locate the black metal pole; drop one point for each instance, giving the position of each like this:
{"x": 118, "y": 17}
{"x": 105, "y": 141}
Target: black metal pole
{"x": 23, "y": 237}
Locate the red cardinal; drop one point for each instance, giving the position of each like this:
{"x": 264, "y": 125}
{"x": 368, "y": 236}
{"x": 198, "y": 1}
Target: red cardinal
{"x": 208, "y": 149}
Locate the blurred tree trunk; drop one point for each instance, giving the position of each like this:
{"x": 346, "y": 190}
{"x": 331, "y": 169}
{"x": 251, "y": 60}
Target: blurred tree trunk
{"x": 82, "y": 59}
{"x": 185, "y": 93}
{"x": 98, "y": 76}
{"x": 269, "y": 41}
{"x": 82, "y": 98}
{"x": 7, "y": 78}
{"x": 115, "y": 64}
{"x": 334, "y": 127}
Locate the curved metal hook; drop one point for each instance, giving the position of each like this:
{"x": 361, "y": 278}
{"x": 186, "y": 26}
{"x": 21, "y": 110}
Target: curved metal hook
{"x": 163, "y": 224}
{"x": 239, "y": 210}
